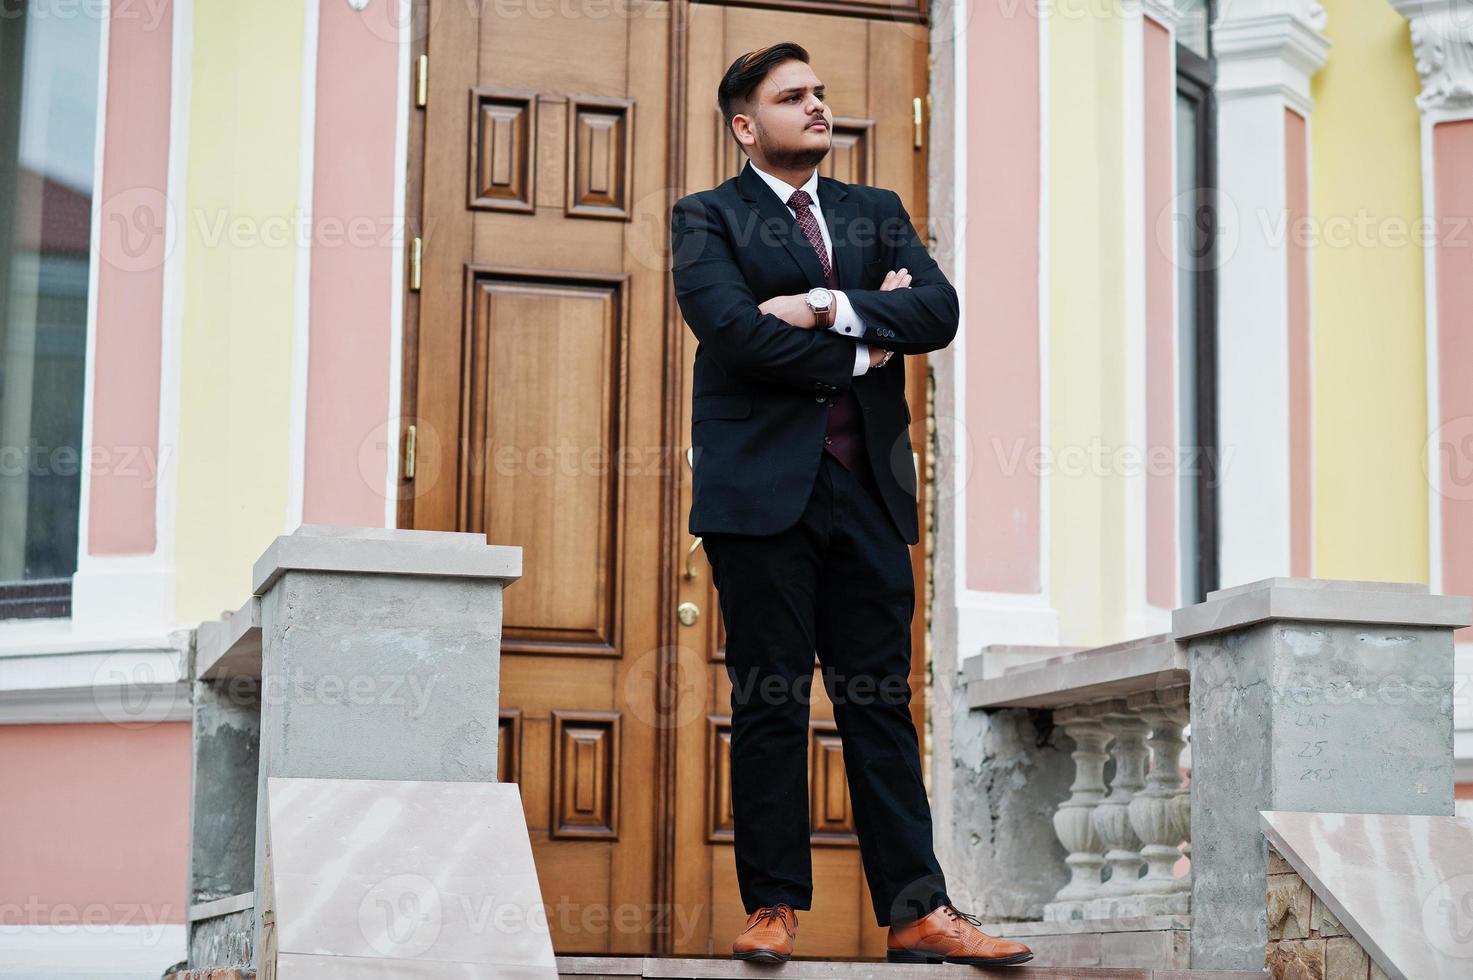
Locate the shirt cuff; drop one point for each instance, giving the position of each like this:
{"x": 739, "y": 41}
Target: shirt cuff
{"x": 861, "y": 359}
{"x": 846, "y": 321}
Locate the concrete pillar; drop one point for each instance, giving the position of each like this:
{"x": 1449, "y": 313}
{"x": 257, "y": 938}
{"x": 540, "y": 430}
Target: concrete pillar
{"x": 1312, "y": 696}
{"x": 1011, "y": 768}
{"x": 380, "y": 658}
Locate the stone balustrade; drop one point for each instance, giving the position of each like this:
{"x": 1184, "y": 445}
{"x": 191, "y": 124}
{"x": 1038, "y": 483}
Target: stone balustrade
{"x": 1302, "y": 695}
{"x": 1124, "y": 708}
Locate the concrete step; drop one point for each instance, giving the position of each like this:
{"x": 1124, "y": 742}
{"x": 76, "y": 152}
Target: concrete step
{"x": 674, "y": 968}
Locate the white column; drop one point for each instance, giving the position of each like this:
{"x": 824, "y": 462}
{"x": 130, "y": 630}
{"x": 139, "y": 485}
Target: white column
{"x": 1267, "y": 51}
{"x": 1442, "y": 39}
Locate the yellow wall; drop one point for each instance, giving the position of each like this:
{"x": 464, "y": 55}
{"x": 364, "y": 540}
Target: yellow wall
{"x": 1370, "y": 394}
{"x": 1087, "y": 318}
{"x": 242, "y": 184}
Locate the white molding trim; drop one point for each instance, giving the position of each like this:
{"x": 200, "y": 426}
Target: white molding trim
{"x": 120, "y": 593}
{"x": 1267, "y": 52}
{"x": 116, "y": 952}
{"x": 1270, "y": 47}
{"x": 296, "y": 484}
{"x": 171, "y": 334}
{"x": 130, "y": 683}
{"x": 1003, "y": 618}
{"x": 1165, "y": 13}
{"x": 1133, "y": 387}
{"x": 396, "y": 280}
{"x": 947, "y": 428}
{"x": 1431, "y": 323}
{"x": 94, "y": 236}
{"x": 1044, "y": 626}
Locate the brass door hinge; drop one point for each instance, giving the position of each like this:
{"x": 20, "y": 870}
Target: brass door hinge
{"x": 409, "y": 453}
{"x": 416, "y": 262}
{"x": 422, "y": 81}
{"x": 918, "y": 117}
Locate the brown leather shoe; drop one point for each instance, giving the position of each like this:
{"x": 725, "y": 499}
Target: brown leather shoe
{"x": 768, "y": 937}
{"x": 951, "y": 936}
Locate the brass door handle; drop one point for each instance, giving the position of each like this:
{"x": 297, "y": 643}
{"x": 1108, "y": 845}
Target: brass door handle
{"x": 690, "y": 554}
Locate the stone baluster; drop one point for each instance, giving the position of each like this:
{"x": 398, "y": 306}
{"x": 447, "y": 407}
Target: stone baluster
{"x": 1111, "y": 819}
{"x": 1181, "y": 803}
{"x": 1155, "y": 811}
{"x": 1073, "y": 820}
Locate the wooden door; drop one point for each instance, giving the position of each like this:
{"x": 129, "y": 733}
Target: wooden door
{"x": 540, "y": 418}
{"x": 547, "y": 377}
{"x": 873, "y": 69}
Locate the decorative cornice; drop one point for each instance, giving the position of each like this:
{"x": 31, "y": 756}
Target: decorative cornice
{"x": 1270, "y": 46}
{"x": 1163, "y": 12}
{"x": 1442, "y": 37}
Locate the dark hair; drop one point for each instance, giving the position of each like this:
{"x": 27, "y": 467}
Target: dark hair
{"x": 734, "y": 94}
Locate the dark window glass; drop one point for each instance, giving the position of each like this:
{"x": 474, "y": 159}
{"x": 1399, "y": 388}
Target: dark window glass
{"x": 48, "y": 128}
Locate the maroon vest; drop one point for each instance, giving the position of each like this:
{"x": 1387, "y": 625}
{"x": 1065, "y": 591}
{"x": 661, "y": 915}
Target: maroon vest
{"x": 844, "y": 439}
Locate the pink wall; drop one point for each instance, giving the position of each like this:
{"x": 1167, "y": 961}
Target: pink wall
{"x": 1301, "y": 448}
{"x": 1452, "y": 147}
{"x": 1160, "y": 183}
{"x": 354, "y": 204}
{"x": 130, "y": 284}
{"x": 1001, "y": 281}
{"x": 95, "y": 824}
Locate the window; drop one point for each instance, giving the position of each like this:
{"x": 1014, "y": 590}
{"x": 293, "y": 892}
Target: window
{"x": 1196, "y": 155}
{"x": 49, "y": 60}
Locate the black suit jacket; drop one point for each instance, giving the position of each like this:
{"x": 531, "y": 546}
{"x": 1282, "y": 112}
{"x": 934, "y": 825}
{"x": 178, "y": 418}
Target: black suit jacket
{"x": 762, "y": 387}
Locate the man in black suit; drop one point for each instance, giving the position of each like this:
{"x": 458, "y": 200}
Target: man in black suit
{"x": 803, "y": 292}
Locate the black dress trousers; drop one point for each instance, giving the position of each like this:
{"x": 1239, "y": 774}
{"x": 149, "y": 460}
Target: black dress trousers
{"x": 838, "y": 582}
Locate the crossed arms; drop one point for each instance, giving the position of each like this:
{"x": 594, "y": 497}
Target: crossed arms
{"x": 725, "y": 316}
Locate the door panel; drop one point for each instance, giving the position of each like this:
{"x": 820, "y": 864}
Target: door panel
{"x": 542, "y": 344}
{"x": 548, "y": 376}
{"x": 869, "y": 68}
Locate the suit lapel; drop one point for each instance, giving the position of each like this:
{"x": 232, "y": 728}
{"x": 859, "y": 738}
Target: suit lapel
{"x": 779, "y": 224}
{"x": 839, "y": 213}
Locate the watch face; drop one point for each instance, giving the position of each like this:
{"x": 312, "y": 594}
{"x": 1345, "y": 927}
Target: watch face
{"x": 820, "y": 298}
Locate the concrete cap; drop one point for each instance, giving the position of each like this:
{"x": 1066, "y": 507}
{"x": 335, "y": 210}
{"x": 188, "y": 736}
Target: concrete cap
{"x": 230, "y": 647}
{"x": 1320, "y": 600}
{"x": 1149, "y": 663}
{"x": 385, "y": 551}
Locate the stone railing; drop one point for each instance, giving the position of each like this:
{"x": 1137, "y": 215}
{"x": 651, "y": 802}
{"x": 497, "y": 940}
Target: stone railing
{"x": 316, "y": 676}
{"x": 1300, "y": 695}
{"x": 1125, "y": 704}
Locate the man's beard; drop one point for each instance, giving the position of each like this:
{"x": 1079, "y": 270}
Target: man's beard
{"x": 789, "y": 158}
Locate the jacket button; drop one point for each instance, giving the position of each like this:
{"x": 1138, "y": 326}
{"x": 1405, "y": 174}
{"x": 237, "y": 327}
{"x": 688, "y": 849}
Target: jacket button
{"x": 828, "y": 440}
{"x": 819, "y": 398}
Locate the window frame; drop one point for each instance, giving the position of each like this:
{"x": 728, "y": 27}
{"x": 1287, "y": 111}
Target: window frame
{"x": 1195, "y": 81}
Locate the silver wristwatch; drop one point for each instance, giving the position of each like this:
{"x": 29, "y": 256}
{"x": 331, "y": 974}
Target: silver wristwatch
{"x": 821, "y": 302}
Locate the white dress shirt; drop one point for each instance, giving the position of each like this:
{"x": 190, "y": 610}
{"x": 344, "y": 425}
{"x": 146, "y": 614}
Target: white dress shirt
{"x": 846, "y": 321}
